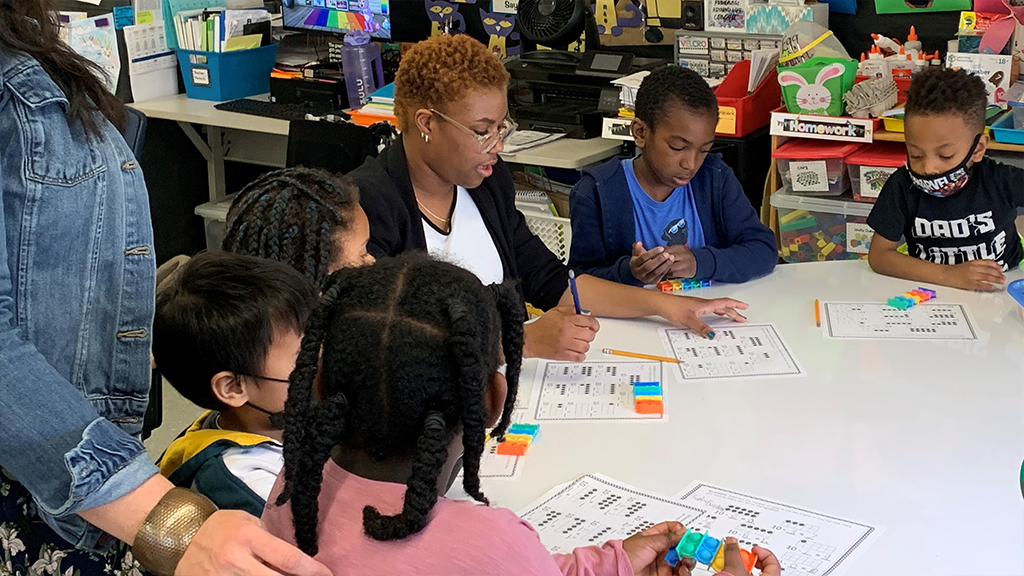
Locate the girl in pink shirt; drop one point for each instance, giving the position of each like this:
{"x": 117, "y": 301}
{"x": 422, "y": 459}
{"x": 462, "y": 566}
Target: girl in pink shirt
{"x": 396, "y": 381}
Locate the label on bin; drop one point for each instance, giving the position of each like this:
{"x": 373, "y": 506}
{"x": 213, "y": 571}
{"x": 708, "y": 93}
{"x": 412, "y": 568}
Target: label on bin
{"x": 693, "y": 45}
{"x": 809, "y": 176}
{"x": 726, "y": 120}
{"x": 858, "y": 237}
{"x": 200, "y": 76}
{"x": 872, "y": 178}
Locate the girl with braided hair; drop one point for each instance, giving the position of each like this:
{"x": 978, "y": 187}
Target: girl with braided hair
{"x": 398, "y": 377}
{"x": 308, "y": 219}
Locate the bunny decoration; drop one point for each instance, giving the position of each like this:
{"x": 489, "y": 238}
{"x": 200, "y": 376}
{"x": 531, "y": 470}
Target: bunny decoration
{"x": 813, "y": 98}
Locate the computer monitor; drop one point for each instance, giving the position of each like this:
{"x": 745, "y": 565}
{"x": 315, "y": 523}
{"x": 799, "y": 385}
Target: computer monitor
{"x": 339, "y": 16}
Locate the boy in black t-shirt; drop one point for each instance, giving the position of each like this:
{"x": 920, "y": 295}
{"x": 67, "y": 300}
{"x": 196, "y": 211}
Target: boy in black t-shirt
{"x": 955, "y": 208}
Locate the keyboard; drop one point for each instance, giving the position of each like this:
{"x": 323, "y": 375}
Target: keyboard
{"x": 278, "y": 110}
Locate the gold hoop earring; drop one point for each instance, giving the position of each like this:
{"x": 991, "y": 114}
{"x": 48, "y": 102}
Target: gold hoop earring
{"x": 426, "y": 137}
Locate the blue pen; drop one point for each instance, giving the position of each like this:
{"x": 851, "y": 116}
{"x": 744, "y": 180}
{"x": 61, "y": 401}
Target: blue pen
{"x": 575, "y": 293}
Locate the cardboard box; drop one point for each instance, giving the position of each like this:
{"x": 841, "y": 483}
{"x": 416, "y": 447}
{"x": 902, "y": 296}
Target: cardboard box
{"x": 995, "y": 70}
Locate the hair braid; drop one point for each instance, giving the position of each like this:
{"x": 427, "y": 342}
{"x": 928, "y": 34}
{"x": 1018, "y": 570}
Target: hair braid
{"x": 465, "y": 341}
{"x": 421, "y": 491}
{"x": 512, "y": 314}
{"x": 304, "y": 453}
{"x": 292, "y": 215}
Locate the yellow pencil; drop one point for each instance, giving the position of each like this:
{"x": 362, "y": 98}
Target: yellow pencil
{"x": 639, "y": 355}
{"x": 817, "y": 314}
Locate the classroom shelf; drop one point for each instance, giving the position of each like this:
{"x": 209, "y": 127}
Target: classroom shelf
{"x": 770, "y": 217}
{"x": 883, "y": 136}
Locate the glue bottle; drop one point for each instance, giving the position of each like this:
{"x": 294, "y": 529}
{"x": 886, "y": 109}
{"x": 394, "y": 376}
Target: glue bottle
{"x": 912, "y": 42}
{"x": 919, "y": 64}
{"x": 901, "y": 66}
{"x": 886, "y": 44}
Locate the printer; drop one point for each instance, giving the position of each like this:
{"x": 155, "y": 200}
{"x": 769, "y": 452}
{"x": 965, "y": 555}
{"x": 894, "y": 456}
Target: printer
{"x": 569, "y": 92}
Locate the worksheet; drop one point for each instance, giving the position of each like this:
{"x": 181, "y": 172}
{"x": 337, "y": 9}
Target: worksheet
{"x": 878, "y": 321}
{"x": 573, "y": 391}
{"x": 494, "y": 465}
{"x": 806, "y": 543}
{"x": 738, "y": 351}
{"x": 593, "y": 509}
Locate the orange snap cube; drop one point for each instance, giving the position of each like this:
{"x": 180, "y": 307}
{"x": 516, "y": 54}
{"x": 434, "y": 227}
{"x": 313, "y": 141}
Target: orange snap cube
{"x": 512, "y": 449}
{"x": 749, "y": 560}
{"x": 648, "y": 407}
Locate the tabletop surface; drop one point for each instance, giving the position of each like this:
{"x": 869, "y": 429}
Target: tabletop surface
{"x": 924, "y": 438}
{"x": 563, "y": 153}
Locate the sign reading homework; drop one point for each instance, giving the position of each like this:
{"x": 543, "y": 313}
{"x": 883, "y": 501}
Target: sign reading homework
{"x": 822, "y": 127}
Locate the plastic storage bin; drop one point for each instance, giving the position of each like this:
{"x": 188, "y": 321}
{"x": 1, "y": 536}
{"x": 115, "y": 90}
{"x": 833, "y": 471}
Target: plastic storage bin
{"x": 820, "y": 229}
{"x": 1016, "y": 291}
{"x": 1004, "y": 131}
{"x": 871, "y": 166}
{"x": 740, "y": 113}
{"x": 221, "y": 76}
{"x": 815, "y": 167}
{"x": 215, "y": 215}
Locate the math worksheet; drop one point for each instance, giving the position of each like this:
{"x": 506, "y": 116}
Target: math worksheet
{"x": 573, "y": 391}
{"x": 806, "y": 543}
{"x": 878, "y": 321}
{"x": 738, "y": 351}
{"x": 593, "y": 509}
{"x": 498, "y": 466}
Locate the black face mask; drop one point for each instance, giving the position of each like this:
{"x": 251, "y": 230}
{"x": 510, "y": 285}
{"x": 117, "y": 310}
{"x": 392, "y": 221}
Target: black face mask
{"x": 276, "y": 418}
{"x": 949, "y": 182}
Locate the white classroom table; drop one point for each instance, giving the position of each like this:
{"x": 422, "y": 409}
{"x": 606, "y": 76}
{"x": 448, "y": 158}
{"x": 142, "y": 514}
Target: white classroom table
{"x": 923, "y": 438}
{"x": 264, "y": 141}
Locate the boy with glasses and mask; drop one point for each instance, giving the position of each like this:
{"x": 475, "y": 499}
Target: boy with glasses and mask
{"x": 226, "y": 335}
{"x": 954, "y": 207}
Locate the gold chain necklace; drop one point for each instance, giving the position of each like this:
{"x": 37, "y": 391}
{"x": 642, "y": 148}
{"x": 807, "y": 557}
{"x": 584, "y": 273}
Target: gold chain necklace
{"x": 436, "y": 217}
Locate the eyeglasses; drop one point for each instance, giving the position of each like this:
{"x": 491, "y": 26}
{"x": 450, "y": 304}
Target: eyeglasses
{"x": 262, "y": 377}
{"x": 491, "y": 139}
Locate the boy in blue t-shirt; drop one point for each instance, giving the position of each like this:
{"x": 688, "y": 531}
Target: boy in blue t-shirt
{"x": 674, "y": 211}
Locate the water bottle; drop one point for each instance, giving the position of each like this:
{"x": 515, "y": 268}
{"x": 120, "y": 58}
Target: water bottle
{"x": 361, "y": 63}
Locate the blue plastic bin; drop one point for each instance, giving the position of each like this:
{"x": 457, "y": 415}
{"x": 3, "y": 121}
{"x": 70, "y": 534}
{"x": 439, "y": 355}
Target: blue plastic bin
{"x": 1004, "y": 132}
{"x": 221, "y": 76}
{"x": 1016, "y": 291}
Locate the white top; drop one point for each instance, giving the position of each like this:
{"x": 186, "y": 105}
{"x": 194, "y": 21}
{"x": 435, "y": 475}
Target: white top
{"x": 919, "y": 437}
{"x": 256, "y": 466}
{"x": 468, "y": 243}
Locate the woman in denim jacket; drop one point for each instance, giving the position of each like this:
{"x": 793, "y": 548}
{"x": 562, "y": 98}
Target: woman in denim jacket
{"x": 77, "y": 274}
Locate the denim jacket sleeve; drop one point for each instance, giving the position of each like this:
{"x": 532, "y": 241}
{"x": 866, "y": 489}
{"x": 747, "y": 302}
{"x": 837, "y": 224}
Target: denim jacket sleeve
{"x": 70, "y": 396}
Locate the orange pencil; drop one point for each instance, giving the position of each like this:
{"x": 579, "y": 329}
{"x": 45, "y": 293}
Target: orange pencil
{"x": 817, "y": 313}
{"x": 641, "y": 356}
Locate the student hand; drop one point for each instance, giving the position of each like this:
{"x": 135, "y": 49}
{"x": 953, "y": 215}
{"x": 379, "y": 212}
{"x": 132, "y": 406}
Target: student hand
{"x": 646, "y": 550}
{"x": 560, "y": 334}
{"x": 684, "y": 263}
{"x": 687, "y": 310}
{"x": 649, "y": 266}
{"x": 984, "y": 275}
{"x": 232, "y": 542}
{"x": 766, "y": 560}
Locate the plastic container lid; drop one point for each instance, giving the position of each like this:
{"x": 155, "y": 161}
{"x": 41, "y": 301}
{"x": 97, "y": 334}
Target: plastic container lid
{"x": 808, "y": 149}
{"x": 884, "y": 154}
{"x": 843, "y": 205}
{"x": 1016, "y": 291}
{"x": 216, "y": 210}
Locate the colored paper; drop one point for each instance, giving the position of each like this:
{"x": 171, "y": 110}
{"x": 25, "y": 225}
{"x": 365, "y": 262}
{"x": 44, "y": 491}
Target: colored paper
{"x": 912, "y": 6}
{"x": 243, "y": 42}
{"x": 144, "y": 17}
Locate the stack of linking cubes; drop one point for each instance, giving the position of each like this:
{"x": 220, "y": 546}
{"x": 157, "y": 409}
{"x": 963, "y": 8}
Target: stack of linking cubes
{"x": 647, "y": 398}
{"x": 912, "y": 298}
{"x": 517, "y": 439}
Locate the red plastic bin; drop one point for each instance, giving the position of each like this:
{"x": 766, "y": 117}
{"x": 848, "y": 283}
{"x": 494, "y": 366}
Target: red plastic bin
{"x": 740, "y": 113}
{"x": 872, "y": 165}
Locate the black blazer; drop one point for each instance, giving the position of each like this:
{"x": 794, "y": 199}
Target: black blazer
{"x": 386, "y": 194}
